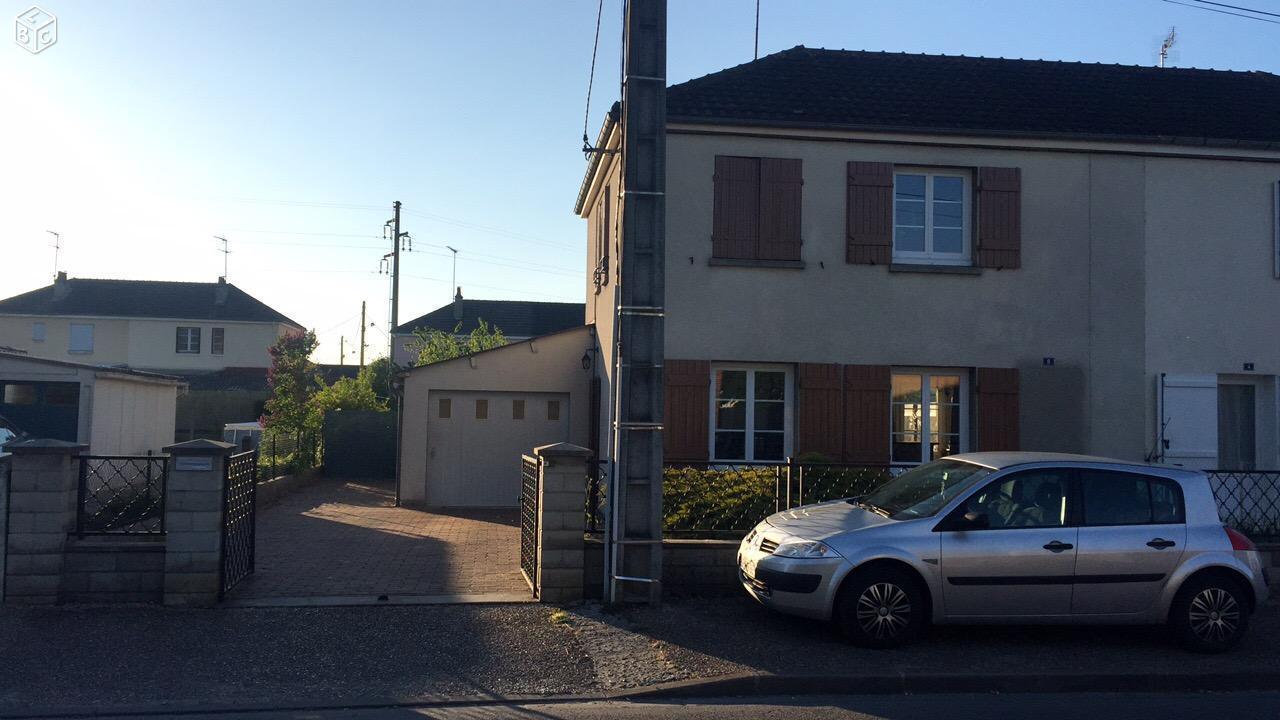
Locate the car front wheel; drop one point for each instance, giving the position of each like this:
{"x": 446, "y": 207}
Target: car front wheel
{"x": 1210, "y": 614}
{"x": 882, "y": 608}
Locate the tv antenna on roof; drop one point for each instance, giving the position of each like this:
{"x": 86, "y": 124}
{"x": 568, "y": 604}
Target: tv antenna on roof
{"x": 57, "y": 245}
{"x": 226, "y": 251}
{"x": 1169, "y": 40}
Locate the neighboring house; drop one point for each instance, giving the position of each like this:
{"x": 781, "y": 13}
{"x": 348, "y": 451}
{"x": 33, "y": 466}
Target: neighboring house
{"x": 214, "y": 335}
{"x": 887, "y": 258}
{"x": 115, "y": 411}
{"x": 518, "y": 320}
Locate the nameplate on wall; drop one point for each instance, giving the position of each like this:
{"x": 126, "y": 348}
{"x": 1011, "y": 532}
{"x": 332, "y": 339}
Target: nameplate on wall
{"x": 193, "y": 464}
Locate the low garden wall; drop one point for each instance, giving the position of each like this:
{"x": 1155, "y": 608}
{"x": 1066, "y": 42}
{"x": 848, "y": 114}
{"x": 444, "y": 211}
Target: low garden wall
{"x": 271, "y": 490}
{"x": 690, "y": 568}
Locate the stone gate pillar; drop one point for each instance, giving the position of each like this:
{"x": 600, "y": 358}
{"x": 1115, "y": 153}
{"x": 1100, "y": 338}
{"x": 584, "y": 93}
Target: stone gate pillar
{"x": 43, "y": 483}
{"x": 193, "y": 522}
{"x": 561, "y": 521}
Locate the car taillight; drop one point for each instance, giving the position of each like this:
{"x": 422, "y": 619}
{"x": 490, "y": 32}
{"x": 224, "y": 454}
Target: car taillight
{"x": 1239, "y": 541}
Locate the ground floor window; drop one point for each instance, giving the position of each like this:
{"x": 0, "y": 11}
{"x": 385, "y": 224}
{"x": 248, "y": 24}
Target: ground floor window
{"x": 929, "y": 413}
{"x": 751, "y": 413}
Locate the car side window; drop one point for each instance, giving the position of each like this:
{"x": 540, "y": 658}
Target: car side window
{"x": 1030, "y": 499}
{"x": 1119, "y": 498}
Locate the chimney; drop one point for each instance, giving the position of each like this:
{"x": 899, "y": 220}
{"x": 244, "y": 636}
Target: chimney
{"x": 457, "y": 304}
{"x": 61, "y": 288}
{"x": 220, "y": 292}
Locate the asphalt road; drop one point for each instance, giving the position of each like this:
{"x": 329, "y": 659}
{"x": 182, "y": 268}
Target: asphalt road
{"x": 880, "y": 707}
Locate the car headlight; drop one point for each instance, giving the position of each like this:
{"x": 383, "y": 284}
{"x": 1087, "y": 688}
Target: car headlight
{"x": 805, "y": 549}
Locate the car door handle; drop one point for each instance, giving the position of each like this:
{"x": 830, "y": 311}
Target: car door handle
{"x": 1058, "y": 546}
{"x": 1161, "y": 543}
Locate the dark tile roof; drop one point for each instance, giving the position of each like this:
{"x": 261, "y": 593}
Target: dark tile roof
{"x": 143, "y": 299}
{"x": 894, "y": 91}
{"x": 516, "y": 318}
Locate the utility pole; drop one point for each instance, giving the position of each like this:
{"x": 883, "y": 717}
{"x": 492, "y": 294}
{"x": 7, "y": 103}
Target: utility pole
{"x": 453, "y": 250}
{"x": 342, "y": 350}
{"x": 397, "y": 238}
{"x": 225, "y": 253}
{"x": 57, "y": 246}
{"x": 362, "y": 327}
{"x": 634, "y": 534}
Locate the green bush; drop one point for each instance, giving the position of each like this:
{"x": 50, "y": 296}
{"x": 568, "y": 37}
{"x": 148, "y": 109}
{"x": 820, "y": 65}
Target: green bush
{"x": 700, "y": 500}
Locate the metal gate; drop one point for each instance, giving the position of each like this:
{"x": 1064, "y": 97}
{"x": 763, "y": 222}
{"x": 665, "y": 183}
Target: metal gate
{"x": 529, "y": 520}
{"x": 239, "y": 504}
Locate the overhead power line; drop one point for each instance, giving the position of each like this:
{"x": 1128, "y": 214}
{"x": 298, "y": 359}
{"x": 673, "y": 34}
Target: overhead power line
{"x": 1223, "y": 12}
{"x": 1237, "y": 7}
{"x": 591, "y": 78}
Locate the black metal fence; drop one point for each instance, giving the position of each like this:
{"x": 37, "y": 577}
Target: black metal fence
{"x": 707, "y": 499}
{"x": 529, "y": 471}
{"x": 239, "y": 515}
{"x": 121, "y": 494}
{"x": 1249, "y": 501}
{"x": 284, "y": 453}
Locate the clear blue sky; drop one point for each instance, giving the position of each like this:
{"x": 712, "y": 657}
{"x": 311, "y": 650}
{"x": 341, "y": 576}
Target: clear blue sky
{"x": 291, "y": 126}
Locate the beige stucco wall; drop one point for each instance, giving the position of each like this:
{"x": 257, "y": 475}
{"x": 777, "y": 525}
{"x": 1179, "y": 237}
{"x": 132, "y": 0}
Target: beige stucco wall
{"x": 1132, "y": 264}
{"x": 551, "y": 364}
{"x": 144, "y": 343}
{"x": 131, "y": 417}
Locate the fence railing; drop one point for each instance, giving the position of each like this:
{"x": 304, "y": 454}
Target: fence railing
{"x": 121, "y": 494}
{"x": 707, "y": 499}
{"x": 281, "y": 453}
{"x": 1248, "y": 500}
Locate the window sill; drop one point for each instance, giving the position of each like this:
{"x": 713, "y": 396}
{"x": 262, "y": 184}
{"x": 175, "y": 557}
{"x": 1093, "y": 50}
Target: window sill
{"x": 734, "y": 262}
{"x": 939, "y": 269}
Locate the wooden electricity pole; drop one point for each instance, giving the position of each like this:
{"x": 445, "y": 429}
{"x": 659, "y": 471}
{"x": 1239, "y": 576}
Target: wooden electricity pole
{"x": 362, "y": 327}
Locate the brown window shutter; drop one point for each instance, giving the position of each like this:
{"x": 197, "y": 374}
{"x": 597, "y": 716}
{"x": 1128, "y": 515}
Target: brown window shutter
{"x": 996, "y": 397}
{"x": 999, "y": 218}
{"x": 866, "y": 413}
{"x": 869, "y": 213}
{"x": 688, "y": 409}
{"x": 781, "y": 188}
{"x": 820, "y": 411}
{"x": 735, "y": 227}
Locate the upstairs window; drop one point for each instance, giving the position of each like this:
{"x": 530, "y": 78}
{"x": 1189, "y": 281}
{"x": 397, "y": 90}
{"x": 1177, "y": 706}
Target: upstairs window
{"x": 37, "y": 332}
{"x": 188, "y": 341}
{"x": 604, "y": 238}
{"x": 217, "y": 340}
{"x": 931, "y": 218}
{"x": 756, "y": 209}
{"x": 81, "y": 338}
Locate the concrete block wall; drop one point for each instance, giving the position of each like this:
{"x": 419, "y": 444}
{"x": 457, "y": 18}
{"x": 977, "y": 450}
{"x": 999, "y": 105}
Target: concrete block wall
{"x": 113, "y": 569}
{"x": 561, "y": 521}
{"x": 690, "y": 568}
{"x": 4, "y": 515}
{"x": 41, "y": 513}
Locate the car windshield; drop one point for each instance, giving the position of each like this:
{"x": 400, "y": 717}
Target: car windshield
{"x": 922, "y": 491}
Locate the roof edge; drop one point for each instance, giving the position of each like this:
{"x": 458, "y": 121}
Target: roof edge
{"x": 590, "y": 327}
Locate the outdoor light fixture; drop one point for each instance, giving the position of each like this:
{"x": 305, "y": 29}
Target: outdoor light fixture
{"x": 586, "y": 360}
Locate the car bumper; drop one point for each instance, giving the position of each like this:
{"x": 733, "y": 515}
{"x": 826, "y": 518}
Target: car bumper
{"x": 804, "y": 587}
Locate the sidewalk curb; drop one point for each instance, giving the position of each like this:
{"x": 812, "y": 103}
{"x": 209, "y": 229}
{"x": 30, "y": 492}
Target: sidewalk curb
{"x": 740, "y": 685}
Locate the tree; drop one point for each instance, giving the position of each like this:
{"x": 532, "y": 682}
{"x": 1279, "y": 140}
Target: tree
{"x": 293, "y": 381}
{"x": 435, "y": 346}
{"x": 349, "y": 394}
{"x": 377, "y": 375}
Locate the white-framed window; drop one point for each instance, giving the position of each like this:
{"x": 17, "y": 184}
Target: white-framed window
{"x": 929, "y": 415}
{"x": 37, "y": 332}
{"x": 188, "y": 340}
{"x": 931, "y": 211}
{"x": 217, "y": 340}
{"x": 80, "y": 338}
{"x": 751, "y": 408}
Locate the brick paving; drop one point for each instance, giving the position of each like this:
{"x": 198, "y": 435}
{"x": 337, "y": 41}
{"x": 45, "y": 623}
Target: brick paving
{"x": 345, "y": 538}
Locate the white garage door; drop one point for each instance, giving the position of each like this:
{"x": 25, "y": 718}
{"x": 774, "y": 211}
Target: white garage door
{"x": 475, "y": 440}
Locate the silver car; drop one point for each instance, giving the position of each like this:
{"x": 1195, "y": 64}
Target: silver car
{"x": 1012, "y": 538}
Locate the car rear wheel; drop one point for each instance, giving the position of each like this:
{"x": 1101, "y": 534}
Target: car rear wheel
{"x": 1210, "y": 614}
{"x": 882, "y": 608}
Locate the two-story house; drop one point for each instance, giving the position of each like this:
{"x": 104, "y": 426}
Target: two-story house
{"x": 213, "y": 335}
{"x": 887, "y": 258}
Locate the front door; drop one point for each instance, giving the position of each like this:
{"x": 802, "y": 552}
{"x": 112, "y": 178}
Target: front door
{"x": 1023, "y": 564}
{"x": 1131, "y": 538}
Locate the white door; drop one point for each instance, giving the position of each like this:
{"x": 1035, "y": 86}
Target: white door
{"x": 475, "y": 440}
{"x": 1189, "y": 420}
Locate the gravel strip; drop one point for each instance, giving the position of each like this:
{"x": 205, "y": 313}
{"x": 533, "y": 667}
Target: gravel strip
{"x": 109, "y": 656}
{"x": 620, "y": 656}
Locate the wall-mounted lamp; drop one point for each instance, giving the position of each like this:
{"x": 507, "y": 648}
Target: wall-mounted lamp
{"x": 586, "y": 360}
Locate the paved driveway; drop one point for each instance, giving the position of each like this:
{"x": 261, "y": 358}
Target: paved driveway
{"x": 344, "y": 541}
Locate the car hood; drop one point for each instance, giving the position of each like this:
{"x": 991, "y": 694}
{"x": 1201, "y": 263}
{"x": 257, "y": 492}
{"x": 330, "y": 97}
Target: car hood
{"x": 821, "y": 521}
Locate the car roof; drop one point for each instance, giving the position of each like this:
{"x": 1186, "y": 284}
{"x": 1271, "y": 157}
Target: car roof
{"x": 1001, "y": 460}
